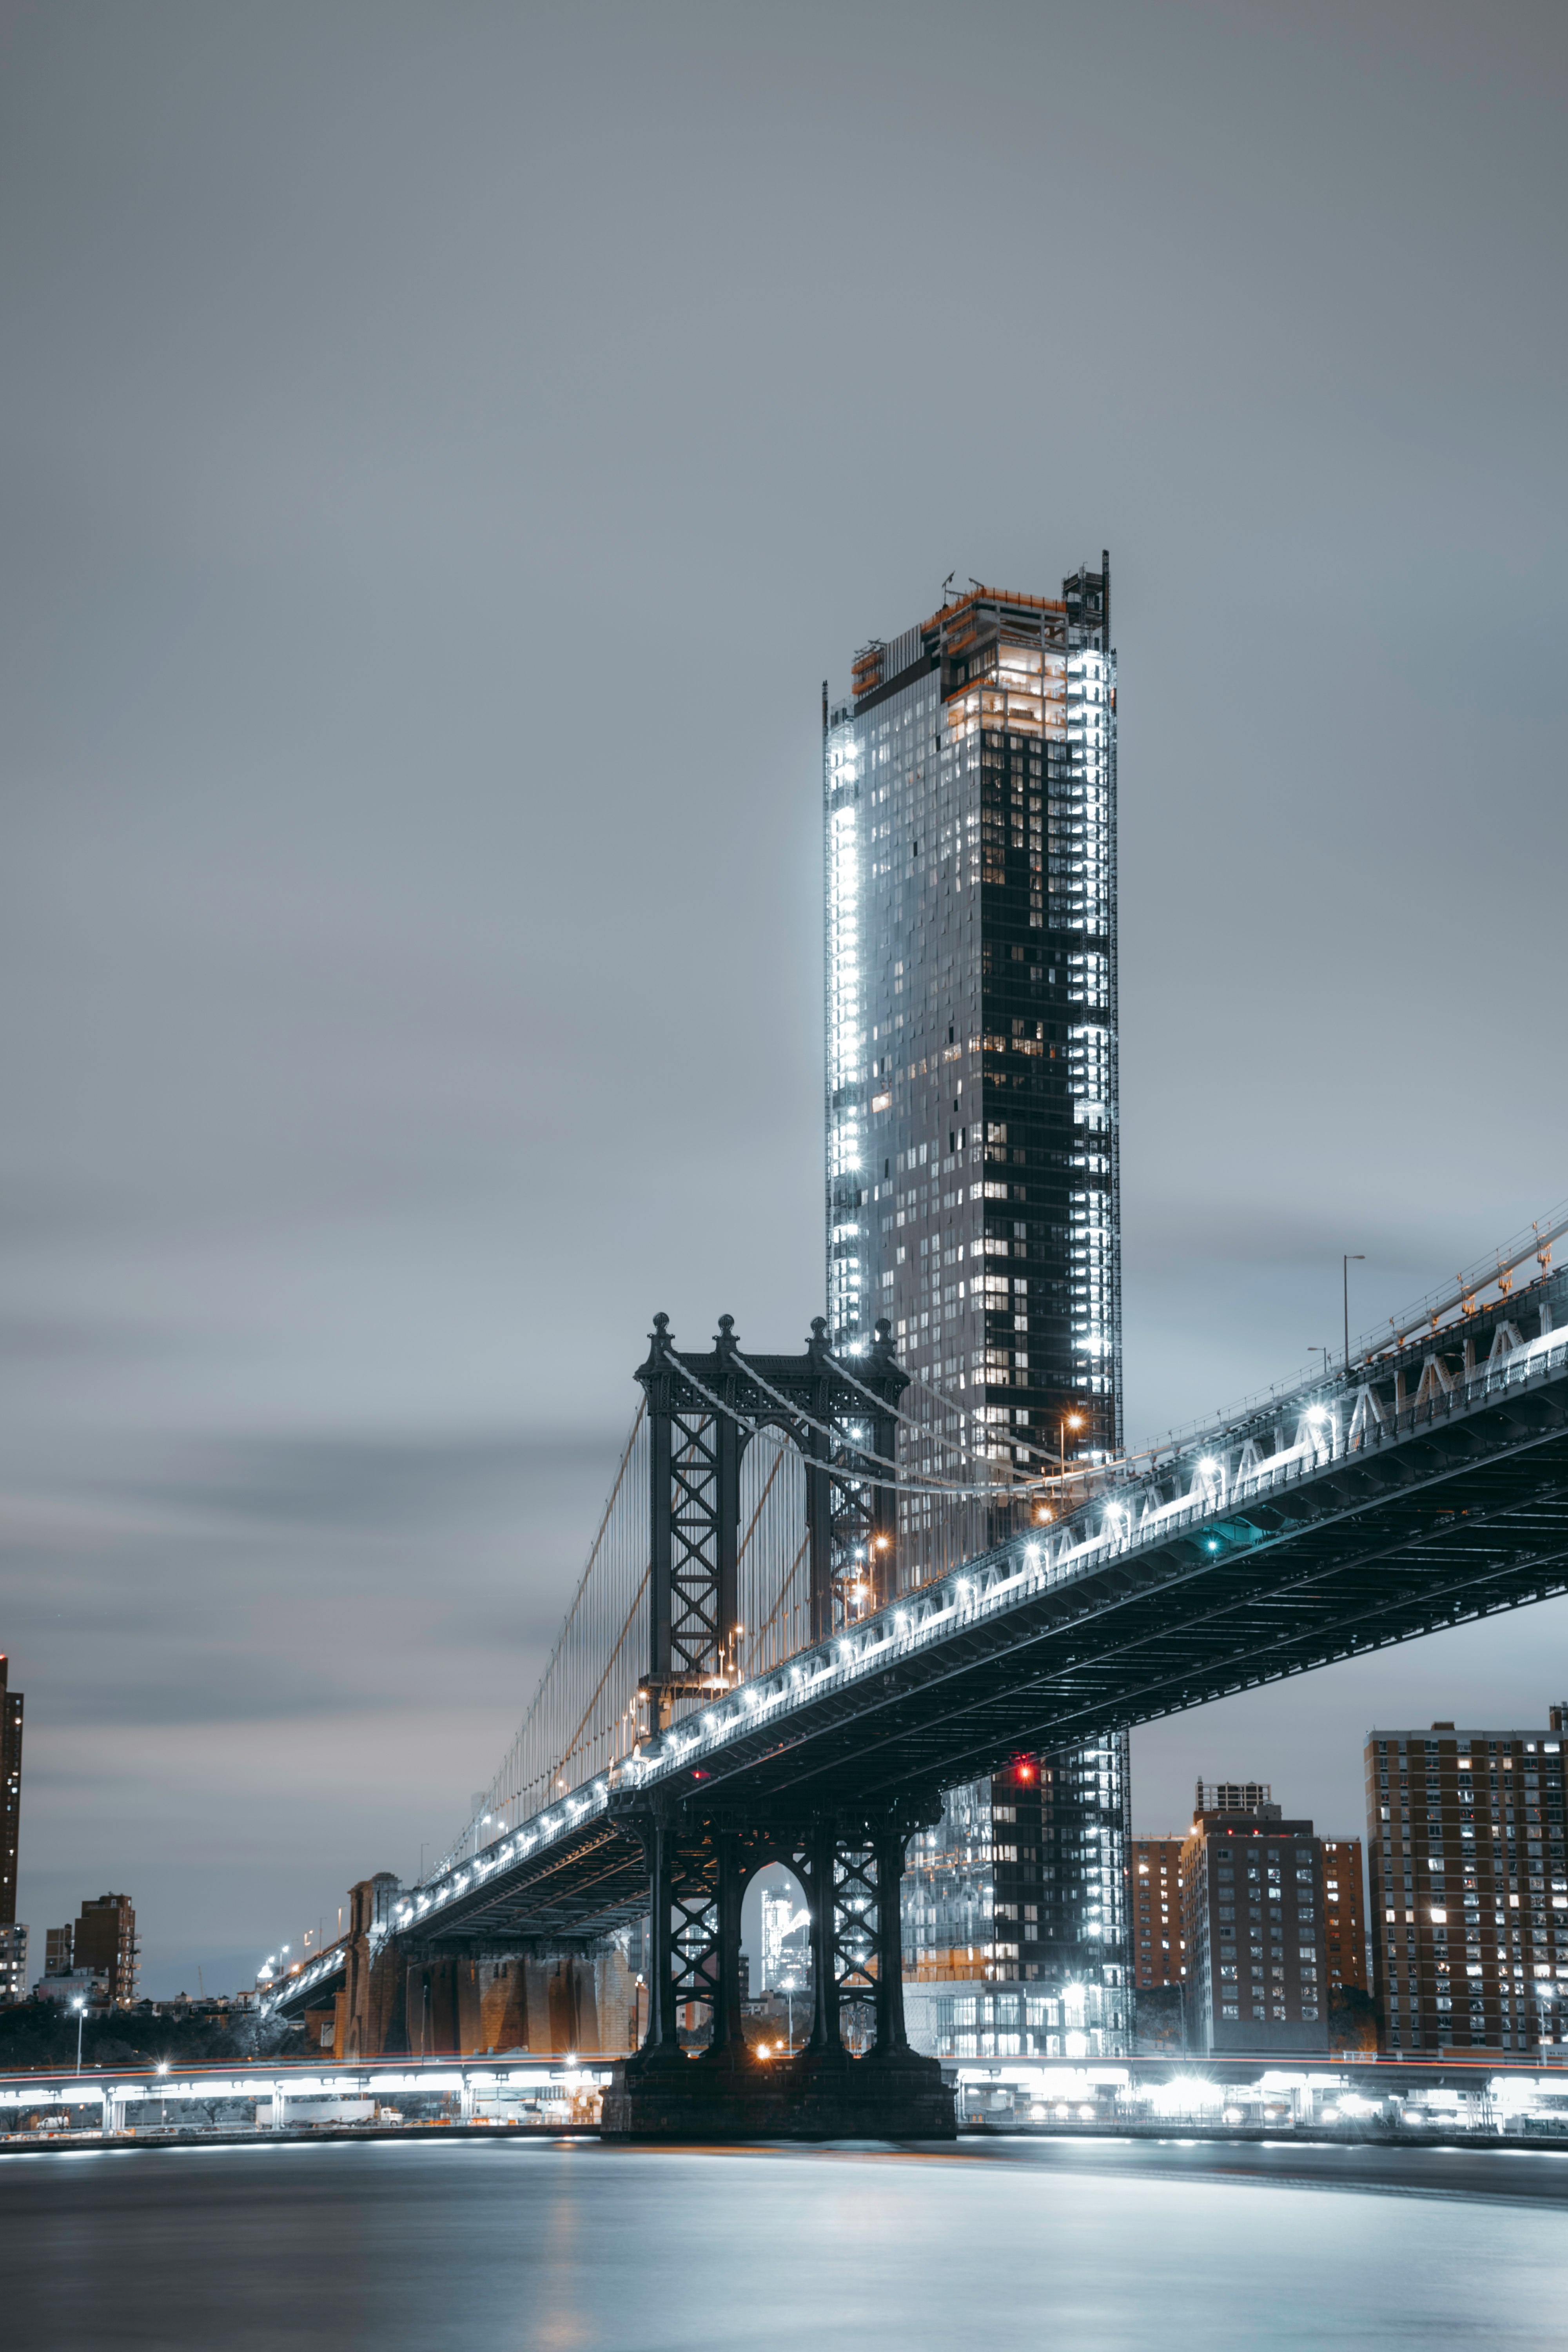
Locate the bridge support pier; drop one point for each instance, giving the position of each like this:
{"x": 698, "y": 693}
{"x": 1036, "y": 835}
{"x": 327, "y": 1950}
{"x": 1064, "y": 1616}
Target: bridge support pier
{"x": 851, "y": 1867}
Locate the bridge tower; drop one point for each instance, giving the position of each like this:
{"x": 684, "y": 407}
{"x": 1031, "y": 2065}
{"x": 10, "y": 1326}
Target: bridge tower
{"x": 704, "y": 1411}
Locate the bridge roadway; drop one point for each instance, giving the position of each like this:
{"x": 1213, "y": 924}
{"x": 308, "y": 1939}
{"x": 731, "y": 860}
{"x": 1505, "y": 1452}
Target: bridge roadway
{"x": 1415, "y": 1494}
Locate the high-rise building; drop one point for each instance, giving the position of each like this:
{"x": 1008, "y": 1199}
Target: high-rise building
{"x": 972, "y": 1199}
{"x": 1469, "y": 1886}
{"x": 972, "y": 1196}
{"x": 1159, "y": 1909}
{"x": 13, "y": 1934}
{"x": 104, "y": 1940}
{"x": 1252, "y": 1888}
{"x": 1158, "y": 1941}
{"x": 10, "y": 1791}
{"x": 1015, "y": 1912}
{"x": 1344, "y": 1916}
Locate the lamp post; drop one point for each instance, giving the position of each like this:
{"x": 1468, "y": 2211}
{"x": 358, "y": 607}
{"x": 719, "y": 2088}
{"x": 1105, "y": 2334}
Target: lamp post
{"x": 80, "y": 2005}
{"x": 1360, "y": 1258}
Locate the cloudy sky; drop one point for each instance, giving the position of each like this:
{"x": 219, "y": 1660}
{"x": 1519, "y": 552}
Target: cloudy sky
{"x": 445, "y": 448}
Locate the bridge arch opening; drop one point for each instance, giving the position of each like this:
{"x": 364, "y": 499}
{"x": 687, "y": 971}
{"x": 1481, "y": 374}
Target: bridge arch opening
{"x": 775, "y": 1937}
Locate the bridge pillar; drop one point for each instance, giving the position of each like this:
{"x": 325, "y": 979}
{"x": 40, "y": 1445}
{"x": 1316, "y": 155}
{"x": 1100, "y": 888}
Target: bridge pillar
{"x": 890, "y": 1847}
{"x": 825, "y": 2029}
{"x": 729, "y": 2030}
{"x": 370, "y": 2009}
{"x": 468, "y": 2005}
{"x": 852, "y": 1868}
{"x": 504, "y": 2007}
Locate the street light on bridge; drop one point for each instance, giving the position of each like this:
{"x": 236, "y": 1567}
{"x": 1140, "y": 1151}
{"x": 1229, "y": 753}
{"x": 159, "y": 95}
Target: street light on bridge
{"x": 1360, "y": 1258}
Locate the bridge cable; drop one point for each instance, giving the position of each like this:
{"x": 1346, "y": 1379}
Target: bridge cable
{"x": 904, "y": 1477}
{"x": 557, "y": 1653}
{"x": 903, "y": 1481}
{"x": 923, "y": 1429}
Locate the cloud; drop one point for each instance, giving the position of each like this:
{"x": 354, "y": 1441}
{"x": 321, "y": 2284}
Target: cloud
{"x": 411, "y": 628}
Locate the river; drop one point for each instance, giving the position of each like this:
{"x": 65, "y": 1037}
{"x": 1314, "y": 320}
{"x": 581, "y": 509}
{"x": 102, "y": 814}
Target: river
{"x": 449, "y": 2245}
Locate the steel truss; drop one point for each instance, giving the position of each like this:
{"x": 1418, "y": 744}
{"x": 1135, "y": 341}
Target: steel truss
{"x": 704, "y": 1411}
{"x": 700, "y": 1861}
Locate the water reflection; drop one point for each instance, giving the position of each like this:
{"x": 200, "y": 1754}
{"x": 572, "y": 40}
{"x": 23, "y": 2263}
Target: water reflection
{"x": 445, "y": 2244}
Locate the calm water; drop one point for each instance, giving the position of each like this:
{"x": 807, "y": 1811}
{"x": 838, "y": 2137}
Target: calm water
{"x": 451, "y": 2245}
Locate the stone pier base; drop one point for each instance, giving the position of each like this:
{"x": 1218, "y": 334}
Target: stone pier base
{"x": 815, "y": 2095}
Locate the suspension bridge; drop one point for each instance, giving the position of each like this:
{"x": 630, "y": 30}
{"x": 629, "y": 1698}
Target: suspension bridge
{"x": 819, "y": 1595}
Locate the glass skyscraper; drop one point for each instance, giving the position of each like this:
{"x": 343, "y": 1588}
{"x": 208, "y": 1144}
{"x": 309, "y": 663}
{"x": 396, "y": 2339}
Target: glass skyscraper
{"x": 973, "y": 1184}
{"x": 972, "y": 1198}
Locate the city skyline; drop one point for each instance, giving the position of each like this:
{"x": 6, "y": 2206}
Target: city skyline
{"x": 404, "y": 999}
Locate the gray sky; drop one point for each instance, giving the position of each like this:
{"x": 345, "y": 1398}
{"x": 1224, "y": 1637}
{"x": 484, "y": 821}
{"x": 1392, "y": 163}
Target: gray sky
{"x": 444, "y": 450}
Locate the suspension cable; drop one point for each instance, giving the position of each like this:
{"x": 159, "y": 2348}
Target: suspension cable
{"x": 953, "y": 1444}
{"x": 901, "y": 1482}
{"x": 571, "y": 1747}
{"x": 922, "y": 1429}
{"x": 765, "y": 1629}
{"x": 924, "y": 1484}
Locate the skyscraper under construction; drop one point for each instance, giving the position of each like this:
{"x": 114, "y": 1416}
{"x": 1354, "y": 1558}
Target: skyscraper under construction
{"x": 973, "y": 1185}
{"x": 973, "y": 1195}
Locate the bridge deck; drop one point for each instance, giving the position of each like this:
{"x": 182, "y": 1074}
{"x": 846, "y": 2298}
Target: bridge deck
{"x": 1228, "y": 1569}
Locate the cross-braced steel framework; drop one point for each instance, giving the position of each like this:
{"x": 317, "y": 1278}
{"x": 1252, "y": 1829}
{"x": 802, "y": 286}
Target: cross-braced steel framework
{"x": 704, "y": 1411}
{"x": 849, "y": 1866}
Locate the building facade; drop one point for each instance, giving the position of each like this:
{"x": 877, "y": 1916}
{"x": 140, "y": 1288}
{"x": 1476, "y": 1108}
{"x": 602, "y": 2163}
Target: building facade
{"x": 1158, "y": 1937}
{"x": 1469, "y": 1886}
{"x": 10, "y": 1791}
{"x": 1230, "y": 1797}
{"x": 1252, "y": 1896}
{"x": 1344, "y": 1917}
{"x": 104, "y": 1942}
{"x": 786, "y": 1940}
{"x": 12, "y": 1936}
{"x": 973, "y": 1200}
{"x": 13, "y": 1962}
{"x": 973, "y": 1185}
{"x": 1015, "y": 1912}
{"x": 73, "y": 1988}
